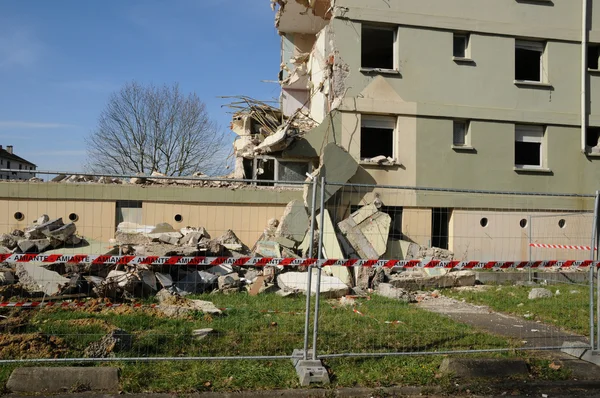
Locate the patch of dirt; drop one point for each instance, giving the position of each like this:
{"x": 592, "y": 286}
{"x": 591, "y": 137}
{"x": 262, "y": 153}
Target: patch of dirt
{"x": 32, "y": 345}
{"x": 13, "y": 292}
{"x": 92, "y": 322}
{"x": 14, "y": 321}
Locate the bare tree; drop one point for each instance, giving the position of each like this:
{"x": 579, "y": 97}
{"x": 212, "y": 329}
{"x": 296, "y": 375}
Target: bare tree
{"x": 147, "y": 128}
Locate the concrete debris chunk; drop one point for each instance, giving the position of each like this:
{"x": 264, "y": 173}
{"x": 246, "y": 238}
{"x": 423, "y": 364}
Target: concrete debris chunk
{"x": 62, "y": 233}
{"x": 33, "y": 246}
{"x": 8, "y": 241}
{"x": 200, "y": 334}
{"x": 367, "y": 230}
{"x": 116, "y": 341}
{"x": 421, "y": 280}
{"x": 34, "y": 279}
{"x": 165, "y": 280}
{"x": 331, "y": 287}
{"x": 539, "y": 293}
{"x": 37, "y": 231}
{"x": 170, "y": 238}
{"x": 389, "y": 291}
{"x": 196, "y": 282}
{"x": 6, "y": 277}
{"x": 42, "y": 220}
{"x": 173, "y": 305}
{"x": 294, "y": 222}
{"x": 268, "y": 249}
{"x": 337, "y": 166}
{"x": 229, "y": 281}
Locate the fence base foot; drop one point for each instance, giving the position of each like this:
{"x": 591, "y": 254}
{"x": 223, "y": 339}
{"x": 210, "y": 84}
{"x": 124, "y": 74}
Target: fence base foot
{"x": 309, "y": 371}
{"x": 578, "y": 350}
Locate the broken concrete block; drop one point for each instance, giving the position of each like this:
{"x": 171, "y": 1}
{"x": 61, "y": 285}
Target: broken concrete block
{"x": 233, "y": 246}
{"x": 33, "y": 246}
{"x": 294, "y": 222}
{"x": 165, "y": 280}
{"x": 37, "y": 279}
{"x": 337, "y": 166}
{"x": 220, "y": 270}
{"x": 8, "y": 241}
{"x": 229, "y": 281}
{"x": 6, "y": 277}
{"x": 196, "y": 282}
{"x": 538, "y": 293}
{"x": 397, "y": 249}
{"x": 170, "y": 238}
{"x": 73, "y": 240}
{"x": 331, "y": 245}
{"x": 148, "y": 278}
{"x": 37, "y": 231}
{"x": 127, "y": 227}
{"x": 162, "y": 228}
{"x": 369, "y": 237}
{"x": 116, "y": 341}
{"x": 61, "y": 233}
{"x": 285, "y": 242}
{"x": 419, "y": 280}
{"x": 331, "y": 287}
{"x": 265, "y": 248}
{"x": 173, "y": 305}
{"x": 389, "y": 291}
{"x": 42, "y": 220}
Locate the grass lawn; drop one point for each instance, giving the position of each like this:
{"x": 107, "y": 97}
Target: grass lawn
{"x": 568, "y": 310}
{"x": 264, "y": 325}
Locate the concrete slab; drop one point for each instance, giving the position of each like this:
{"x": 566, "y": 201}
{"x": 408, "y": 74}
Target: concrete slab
{"x": 369, "y": 238}
{"x": 484, "y": 367}
{"x": 331, "y": 245}
{"x": 331, "y": 287}
{"x": 337, "y": 166}
{"x": 573, "y": 349}
{"x": 294, "y": 221}
{"x": 37, "y": 279}
{"x": 268, "y": 249}
{"x": 60, "y": 379}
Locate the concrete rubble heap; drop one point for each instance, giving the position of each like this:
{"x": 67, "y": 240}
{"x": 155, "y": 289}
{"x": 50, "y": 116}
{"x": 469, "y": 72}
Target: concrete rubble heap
{"x": 42, "y": 235}
{"x": 363, "y": 234}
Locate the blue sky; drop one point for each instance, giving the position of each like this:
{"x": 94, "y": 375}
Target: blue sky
{"x": 60, "y": 60}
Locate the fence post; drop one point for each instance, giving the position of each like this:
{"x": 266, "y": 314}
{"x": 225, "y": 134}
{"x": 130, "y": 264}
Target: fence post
{"x": 592, "y": 269}
{"x": 313, "y": 222}
{"x": 319, "y": 268}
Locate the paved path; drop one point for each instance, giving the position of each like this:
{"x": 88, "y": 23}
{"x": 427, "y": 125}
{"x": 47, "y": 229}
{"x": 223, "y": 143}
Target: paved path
{"x": 532, "y": 334}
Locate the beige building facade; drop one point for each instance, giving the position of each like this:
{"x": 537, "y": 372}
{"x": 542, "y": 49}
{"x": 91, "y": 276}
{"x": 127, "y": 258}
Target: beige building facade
{"x": 482, "y": 95}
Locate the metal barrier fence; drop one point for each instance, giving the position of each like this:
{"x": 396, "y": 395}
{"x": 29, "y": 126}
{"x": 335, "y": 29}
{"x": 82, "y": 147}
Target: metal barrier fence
{"x": 161, "y": 268}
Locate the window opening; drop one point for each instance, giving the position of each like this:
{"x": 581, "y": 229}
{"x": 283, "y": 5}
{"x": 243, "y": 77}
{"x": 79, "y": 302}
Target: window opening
{"x": 528, "y": 146}
{"x": 592, "y": 138}
{"x": 593, "y": 56}
{"x": 265, "y": 170}
{"x": 292, "y": 171}
{"x": 461, "y": 45}
{"x": 440, "y": 228}
{"x": 377, "y": 137}
{"x": 528, "y": 61}
{"x": 377, "y": 46}
{"x": 461, "y": 128}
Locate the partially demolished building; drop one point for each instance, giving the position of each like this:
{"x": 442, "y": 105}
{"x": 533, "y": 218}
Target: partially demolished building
{"x": 451, "y": 94}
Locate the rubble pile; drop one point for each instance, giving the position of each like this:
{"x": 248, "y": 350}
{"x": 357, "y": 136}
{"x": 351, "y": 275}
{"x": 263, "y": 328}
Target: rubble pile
{"x": 364, "y": 234}
{"x": 44, "y": 234}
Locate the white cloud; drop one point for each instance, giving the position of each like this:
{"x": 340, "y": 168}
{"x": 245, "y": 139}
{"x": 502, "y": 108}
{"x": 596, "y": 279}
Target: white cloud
{"x": 19, "y": 124}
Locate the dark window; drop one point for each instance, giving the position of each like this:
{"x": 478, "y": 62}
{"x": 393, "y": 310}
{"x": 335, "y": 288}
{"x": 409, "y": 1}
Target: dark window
{"x": 528, "y": 61}
{"x": 265, "y": 170}
{"x": 440, "y": 228}
{"x": 377, "y": 137}
{"x": 377, "y": 47}
{"x": 593, "y": 56}
{"x": 528, "y": 153}
{"x": 460, "y": 133}
{"x": 292, "y": 171}
{"x": 592, "y": 135}
{"x": 20, "y": 167}
{"x": 8, "y": 164}
{"x": 461, "y": 43}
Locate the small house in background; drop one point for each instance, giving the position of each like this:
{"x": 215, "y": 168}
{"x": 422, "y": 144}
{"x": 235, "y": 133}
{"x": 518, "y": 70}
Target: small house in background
{"x": 8, "y": 160}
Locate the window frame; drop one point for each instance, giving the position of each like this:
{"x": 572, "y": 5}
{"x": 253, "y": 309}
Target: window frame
{"x": 532, "y": 45}
{"x": 396, "y": 64}
{"x": 276, "y": 164}
{"x": 467, "y": 134}
{"x": 531, "y": 133}
{"x": 596, "y": 47}
{"x": 383, "y": 122}
{"x": 467, "y": 50}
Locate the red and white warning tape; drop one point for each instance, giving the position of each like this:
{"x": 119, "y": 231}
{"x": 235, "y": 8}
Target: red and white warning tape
{"x": 285, "y": 262}
{"x": 570, "y": 247}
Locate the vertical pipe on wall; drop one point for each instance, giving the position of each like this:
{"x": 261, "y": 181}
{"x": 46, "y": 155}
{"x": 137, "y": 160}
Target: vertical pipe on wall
{"x": 584, "y": 70}
{"x": 592, "y": 267}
